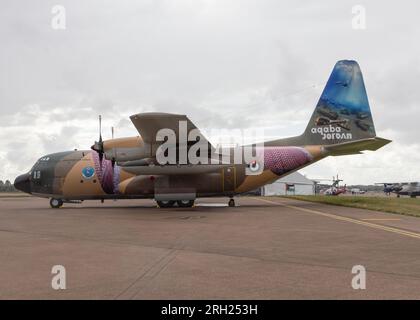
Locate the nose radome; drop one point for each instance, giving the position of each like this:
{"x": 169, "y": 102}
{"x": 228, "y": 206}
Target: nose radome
{"x": 23, "y": 183}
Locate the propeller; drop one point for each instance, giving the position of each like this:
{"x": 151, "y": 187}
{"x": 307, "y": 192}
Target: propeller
{"x": 99, "y": 145}
{"x": 113, "y": 159}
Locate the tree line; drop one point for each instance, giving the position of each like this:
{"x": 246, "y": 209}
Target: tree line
{"x": 7, "y": 186}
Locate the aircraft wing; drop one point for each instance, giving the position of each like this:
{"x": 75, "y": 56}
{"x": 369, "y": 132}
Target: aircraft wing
{"x": 149, "y": 124}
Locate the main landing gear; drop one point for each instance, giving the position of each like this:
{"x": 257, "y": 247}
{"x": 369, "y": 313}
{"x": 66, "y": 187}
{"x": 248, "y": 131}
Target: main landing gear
{"x": 56, "y": 203}
{"x": 166, "y": 203}
{"x": 185, "y": 203}
{"x": 171, "y": 203}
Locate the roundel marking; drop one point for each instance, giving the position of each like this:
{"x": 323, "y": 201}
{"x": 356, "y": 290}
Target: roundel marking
{"x": 254, "y": 166}
{"x": 88, "y": 172}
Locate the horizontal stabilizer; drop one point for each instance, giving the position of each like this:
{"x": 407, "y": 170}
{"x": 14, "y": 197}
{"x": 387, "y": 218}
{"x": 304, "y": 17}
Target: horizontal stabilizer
{"x": 355, "y": 147}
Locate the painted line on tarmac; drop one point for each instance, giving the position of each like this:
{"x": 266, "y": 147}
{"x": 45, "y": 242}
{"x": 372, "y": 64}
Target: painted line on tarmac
{"x": 341, "y": 218}
{"x": 381, "y": 219}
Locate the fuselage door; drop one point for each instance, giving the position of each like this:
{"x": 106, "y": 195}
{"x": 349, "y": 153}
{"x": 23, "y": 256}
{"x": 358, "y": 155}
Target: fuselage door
{"x": 229, "y": 179}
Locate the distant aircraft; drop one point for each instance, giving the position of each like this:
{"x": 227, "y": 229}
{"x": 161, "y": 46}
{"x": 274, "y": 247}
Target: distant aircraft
{"x": 130, "y": 167}
{"x": 335, "y": 189}
{"x": 411, "y": 189}
{"x": 390, "y": 187}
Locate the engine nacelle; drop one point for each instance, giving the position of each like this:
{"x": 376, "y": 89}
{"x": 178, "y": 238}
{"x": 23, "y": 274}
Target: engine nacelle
{"x": 126, "y": 149}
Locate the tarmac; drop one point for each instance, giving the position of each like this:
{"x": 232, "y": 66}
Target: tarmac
{"x": 265, "y": 248}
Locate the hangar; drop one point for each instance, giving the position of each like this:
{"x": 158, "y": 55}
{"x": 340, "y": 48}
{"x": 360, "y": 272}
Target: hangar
{"x": 292, "y": 184}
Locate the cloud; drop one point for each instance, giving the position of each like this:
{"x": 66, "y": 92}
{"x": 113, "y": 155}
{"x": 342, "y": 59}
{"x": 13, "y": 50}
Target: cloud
{"x": 236, "y": 64}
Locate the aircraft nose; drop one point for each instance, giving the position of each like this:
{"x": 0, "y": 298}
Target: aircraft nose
{"x": 23, "y": 183}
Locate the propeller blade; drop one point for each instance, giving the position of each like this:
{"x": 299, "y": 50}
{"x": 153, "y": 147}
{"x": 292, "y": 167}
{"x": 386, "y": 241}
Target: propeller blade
{"x": 98, "y": 146}
{"x": 100, "y": 128}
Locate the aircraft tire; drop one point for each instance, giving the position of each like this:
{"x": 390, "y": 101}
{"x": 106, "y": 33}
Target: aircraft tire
{"x": 231, "y": 203}
{"x": 185, "y": 203}
{"x": 56, "y": 203}
{"x": 166, "y": 203}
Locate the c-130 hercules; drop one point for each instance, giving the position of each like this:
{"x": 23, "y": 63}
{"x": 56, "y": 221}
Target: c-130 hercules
{"x": 127, "y": 168}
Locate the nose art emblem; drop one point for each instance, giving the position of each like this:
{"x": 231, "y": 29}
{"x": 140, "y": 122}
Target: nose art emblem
{"x": 88, "y": 172}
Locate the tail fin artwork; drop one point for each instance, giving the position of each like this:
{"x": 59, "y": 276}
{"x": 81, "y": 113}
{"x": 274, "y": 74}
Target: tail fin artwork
{"x": 342, "y": 113}
{"x": 342, "y": 121}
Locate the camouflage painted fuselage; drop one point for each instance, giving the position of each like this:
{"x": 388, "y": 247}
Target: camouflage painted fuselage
{"x": 80, "y": 175}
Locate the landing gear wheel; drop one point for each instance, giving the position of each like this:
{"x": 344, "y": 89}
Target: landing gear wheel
{"x": 398, "y": 195}
{"x": 231, "y": 203}
{"x": 165, "y": 203}
{"x": 56, "y": 203}
{"x": 185, "y": 203}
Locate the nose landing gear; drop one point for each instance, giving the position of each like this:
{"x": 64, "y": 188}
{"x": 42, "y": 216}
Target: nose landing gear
{"x": 56, "y": 203}
{"x": 231, "y": 202}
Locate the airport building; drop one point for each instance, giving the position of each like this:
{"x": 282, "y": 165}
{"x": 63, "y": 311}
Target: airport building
{"x": 292, "y": 184}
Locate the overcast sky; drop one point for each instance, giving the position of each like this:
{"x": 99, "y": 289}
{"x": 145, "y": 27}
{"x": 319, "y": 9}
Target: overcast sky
{"x": 226, "y": 64}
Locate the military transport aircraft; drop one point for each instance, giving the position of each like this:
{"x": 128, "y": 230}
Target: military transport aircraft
{"x": 411, "y": 189}
{"x": 129, "y": 168}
